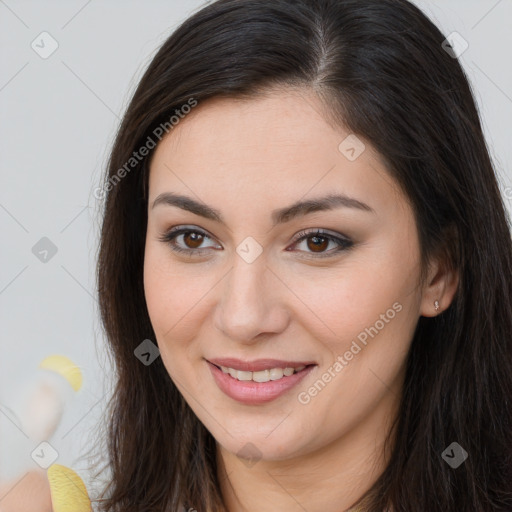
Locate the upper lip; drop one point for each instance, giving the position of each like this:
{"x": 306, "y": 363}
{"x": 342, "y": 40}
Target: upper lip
{"x": 258, "y": 364}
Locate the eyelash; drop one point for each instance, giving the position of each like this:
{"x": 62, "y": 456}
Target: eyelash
{"x": 169, "y": 237}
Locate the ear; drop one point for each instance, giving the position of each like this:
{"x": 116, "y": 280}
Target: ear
{"x": 441, "y": 285}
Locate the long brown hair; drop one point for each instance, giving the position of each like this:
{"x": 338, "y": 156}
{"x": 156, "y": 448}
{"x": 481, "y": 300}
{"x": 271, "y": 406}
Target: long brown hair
{"x": 380, "y": 68}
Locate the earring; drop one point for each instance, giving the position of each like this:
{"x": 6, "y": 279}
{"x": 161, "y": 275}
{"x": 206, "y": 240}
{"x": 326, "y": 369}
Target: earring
{"x": 436, "y": 305}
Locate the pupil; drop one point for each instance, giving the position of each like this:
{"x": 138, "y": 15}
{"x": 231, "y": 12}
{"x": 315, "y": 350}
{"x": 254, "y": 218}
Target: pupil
{"x": 196, "y": 239}
{"x": 316, "y": 239}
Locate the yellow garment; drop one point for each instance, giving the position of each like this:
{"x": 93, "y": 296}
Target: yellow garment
{"x": 68, "y": 490}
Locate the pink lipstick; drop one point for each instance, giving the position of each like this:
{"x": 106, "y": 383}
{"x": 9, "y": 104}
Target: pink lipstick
{"x": 258, "y": 381}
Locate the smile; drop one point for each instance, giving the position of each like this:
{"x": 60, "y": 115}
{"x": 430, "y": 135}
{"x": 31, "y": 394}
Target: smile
{"x": 263, "y": 375}
{"x": 266, "y": 381}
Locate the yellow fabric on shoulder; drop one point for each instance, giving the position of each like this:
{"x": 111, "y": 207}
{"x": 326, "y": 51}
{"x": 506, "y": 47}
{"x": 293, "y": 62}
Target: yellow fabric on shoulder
{"x": 68, "y": 490}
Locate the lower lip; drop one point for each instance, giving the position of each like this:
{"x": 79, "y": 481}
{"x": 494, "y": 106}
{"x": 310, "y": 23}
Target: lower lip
{"x": 250, "y": 392}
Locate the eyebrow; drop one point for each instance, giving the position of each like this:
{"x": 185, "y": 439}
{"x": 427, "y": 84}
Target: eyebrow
{"x": 279, "y": 216}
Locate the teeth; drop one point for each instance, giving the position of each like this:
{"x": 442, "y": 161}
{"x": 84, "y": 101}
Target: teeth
{"x": 276, "y": 373}
{"x": 263, "y": 375}
{"x": 244, "y": 375}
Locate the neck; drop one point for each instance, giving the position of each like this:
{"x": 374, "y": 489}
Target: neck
{"x": 330, "y": 479}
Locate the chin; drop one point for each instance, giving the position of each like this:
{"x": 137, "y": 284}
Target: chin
{"x": 257, "y": 444}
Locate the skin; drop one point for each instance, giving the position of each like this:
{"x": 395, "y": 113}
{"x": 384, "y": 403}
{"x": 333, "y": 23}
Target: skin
{"x": 247, "y": 158}
{"x": 28, "y": 493}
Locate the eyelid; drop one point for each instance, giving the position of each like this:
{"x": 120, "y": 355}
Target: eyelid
{"x": 320, "y": 232}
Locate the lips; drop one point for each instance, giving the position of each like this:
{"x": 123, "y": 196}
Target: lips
{"x": 258, "y": 364}
{"x": 256, "y": 391}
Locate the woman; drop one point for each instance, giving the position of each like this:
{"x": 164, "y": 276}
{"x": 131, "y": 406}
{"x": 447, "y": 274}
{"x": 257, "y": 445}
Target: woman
{"x": 305, "y": 270}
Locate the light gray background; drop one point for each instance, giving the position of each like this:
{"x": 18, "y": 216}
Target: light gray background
{"x": 58, "y": 118}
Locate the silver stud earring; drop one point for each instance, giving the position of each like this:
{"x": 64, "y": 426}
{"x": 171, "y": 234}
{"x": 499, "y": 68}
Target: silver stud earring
{"x": 436, "y": 305}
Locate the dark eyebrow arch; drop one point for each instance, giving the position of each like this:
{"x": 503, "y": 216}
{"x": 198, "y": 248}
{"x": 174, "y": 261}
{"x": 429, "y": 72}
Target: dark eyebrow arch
{"x": 279, "y": 216}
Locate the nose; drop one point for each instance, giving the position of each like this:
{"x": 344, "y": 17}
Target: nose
{"x": 252, "y": 302}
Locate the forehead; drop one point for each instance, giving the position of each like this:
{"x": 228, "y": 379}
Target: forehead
{"x": 280, "y": 124}
{"x": 273, "y": 148}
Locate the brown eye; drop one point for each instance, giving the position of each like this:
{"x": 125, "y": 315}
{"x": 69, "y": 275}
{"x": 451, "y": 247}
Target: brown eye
{"x": 191, "y": 241}
{"x": 317, "y": 243}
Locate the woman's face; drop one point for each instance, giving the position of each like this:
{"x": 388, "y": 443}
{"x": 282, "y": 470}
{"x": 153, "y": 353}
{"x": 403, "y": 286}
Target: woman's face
{"x": 257, "y": 290}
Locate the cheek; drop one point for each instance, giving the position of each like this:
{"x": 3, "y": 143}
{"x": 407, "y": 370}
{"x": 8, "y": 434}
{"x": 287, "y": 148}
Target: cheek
{"x": 172, "y": 295}
{"x": 340, "y": 303}
{"x": 364, "y": 314}
{"x": 158, "y": 285}
{"x": 177, "y": 299}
